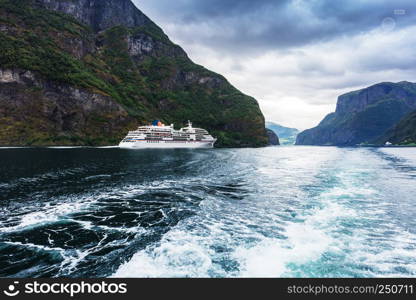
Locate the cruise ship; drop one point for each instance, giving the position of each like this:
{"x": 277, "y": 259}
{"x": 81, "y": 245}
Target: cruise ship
{"x": 158, "y": 135}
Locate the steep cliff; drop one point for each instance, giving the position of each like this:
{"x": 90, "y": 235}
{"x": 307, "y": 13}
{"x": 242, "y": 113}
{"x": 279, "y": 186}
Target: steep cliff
{"x": 84, "y": 72}
{"x": 404, "y": 133}
{"x": 273, "y": 138}
{"x": 363, "y": 116}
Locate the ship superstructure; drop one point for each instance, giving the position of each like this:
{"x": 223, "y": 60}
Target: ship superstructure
{"x": 158, "y": 135}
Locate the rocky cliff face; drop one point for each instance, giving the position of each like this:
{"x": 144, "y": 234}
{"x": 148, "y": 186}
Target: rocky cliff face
{"x": 99, "y": 14}
{"x": 37, "y": 112}
{"x": 273, "y": 138}
{"x": 87, "y": 71}
{"x": 363, "y": 116}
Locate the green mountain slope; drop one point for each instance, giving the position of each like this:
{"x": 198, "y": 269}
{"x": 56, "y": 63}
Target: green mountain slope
{"x": 84, "y": 72}
{"x": 363, "y": 116}
{"x": 404, "y": 133}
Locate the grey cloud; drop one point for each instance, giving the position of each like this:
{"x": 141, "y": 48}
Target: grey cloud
{"x": 294, "y": 56}
{"x": 260, "y": 25}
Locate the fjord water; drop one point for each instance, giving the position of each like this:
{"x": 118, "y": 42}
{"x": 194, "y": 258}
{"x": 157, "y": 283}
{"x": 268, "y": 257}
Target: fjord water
{"x": 271, "y": 212}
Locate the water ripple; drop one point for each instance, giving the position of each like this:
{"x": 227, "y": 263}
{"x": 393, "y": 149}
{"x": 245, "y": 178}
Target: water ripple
{"x": 286, "y": 211}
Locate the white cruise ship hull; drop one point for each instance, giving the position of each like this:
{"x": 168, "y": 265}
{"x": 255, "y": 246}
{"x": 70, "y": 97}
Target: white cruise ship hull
{"x": 166, "y": 144}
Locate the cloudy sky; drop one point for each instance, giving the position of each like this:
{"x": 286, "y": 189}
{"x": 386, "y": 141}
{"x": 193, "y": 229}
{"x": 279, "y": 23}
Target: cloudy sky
{"x": 295, "y": 56}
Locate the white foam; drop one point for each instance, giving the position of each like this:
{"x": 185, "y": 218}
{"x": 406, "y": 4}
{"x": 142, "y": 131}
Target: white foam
{"x": 31, "y": 245}
{"x": 15, "y": 148}
{"x": 271, "y": 257}
{"x": 107, "y": 147}
{"x": 66, "y": 147}
{"x": 173, "y": 258}
{"x": 98, "y": 177}
{"x": 47, "y": 214}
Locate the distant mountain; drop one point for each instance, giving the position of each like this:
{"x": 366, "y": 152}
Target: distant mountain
{"x": 85, "y": 72}
{"x": 363, "y": 116}
{"x": 287, "y": 136}
{"x": 404, "y": 133}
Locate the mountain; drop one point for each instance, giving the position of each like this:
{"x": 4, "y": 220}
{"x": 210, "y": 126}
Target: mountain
{"x": 273, "y": 138}
{"x": 287, "y": 136}
{"x": 84, "y": 72}
{"x": 363, "y": 116}
{"x": 404, "y": 133}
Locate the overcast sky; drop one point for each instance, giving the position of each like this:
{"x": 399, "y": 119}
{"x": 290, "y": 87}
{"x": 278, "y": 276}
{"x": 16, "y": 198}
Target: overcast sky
{"x": 295, "y": 56}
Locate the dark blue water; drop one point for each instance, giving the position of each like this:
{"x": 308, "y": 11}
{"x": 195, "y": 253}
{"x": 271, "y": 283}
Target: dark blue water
{"x": 285, "y": 211}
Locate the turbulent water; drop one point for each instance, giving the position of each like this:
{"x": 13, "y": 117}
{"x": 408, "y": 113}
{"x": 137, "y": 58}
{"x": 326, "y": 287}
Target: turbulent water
{"x": 271, "y": 212}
